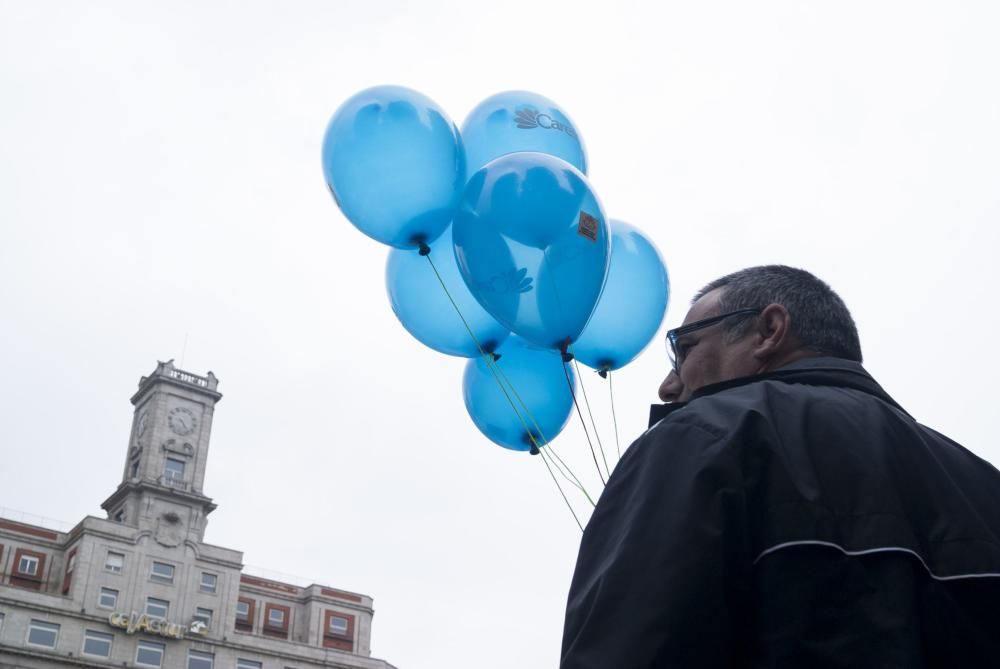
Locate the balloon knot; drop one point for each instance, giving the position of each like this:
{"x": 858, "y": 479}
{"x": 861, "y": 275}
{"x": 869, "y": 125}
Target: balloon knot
{"x": 564, "y": 349}
{"x": 534, "y": 450}
{"x": 603, "y": 373}
{"x": 495, "y": 356}
{"x": 424, "y": 249}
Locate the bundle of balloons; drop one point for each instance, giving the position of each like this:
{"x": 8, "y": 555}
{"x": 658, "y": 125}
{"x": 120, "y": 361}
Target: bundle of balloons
{"x": 501, "y": 250}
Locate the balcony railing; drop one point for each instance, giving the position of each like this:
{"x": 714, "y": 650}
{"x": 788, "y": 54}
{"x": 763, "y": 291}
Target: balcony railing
{"x": 174, "y": 482}
{"x": 31, "y": 519}
{"x": 188, "y": 377}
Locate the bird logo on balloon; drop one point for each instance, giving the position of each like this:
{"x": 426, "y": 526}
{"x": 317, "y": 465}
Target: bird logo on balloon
{"x": 514, "y": 281}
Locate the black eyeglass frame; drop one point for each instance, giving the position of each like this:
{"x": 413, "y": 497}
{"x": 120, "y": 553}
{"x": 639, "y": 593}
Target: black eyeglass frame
{"x": 673, "y": 335}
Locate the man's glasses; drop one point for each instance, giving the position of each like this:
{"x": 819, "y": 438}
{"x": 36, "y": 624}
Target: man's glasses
{"x": 677, "y": 354}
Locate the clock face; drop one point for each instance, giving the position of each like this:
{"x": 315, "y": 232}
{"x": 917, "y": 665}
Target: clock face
{"x": 181, "y": 421}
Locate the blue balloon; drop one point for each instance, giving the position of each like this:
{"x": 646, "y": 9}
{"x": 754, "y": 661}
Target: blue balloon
{"x": 423, "y": 307}
{"x": 632, "y": 305}
{"x": 395, "y": 165}
{"x": 520, "y": 121}
{"x": 532, "y": 244}
{"x": 535, "y": 380}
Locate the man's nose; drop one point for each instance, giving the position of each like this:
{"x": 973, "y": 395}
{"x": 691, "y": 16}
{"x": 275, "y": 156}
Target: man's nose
{"x": 671, "y": 388}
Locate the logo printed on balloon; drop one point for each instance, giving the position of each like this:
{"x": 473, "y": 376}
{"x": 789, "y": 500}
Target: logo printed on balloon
{"x": 529, "y": 118}
{"x": 520, "y": 121}
{"x": 513, "y": 281}
{"x": 588, "y": 226}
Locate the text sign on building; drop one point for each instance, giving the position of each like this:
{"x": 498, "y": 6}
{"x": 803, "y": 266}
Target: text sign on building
{"x": 143, "y": 623}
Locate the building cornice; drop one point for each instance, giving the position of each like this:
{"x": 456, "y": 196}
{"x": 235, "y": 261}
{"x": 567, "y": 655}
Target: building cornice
{"x": 32, "y": 533}
{"x": 303, "y": 598}
{"x": 162, "y": 491}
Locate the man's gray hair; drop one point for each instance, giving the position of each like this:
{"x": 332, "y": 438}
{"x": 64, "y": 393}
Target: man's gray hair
{"x": 820, "y": 319}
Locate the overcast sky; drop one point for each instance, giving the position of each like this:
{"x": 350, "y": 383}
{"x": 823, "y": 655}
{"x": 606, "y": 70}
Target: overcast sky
{"x": 160, "y": 184}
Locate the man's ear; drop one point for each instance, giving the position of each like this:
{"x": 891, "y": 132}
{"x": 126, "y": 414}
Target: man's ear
{"x": 774, "y": 332}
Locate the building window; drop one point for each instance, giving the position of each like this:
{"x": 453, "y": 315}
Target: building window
{"x": 114, "y": 562}
{"x": 1, "y": 622}
{"x": 27, "y": 569}
{"x": 173, "y": 471}
{"x": 198, "y": 660}
{"x": 245, "y": 614}
{"x": 27, "y": 565}
{"x": 119, "y": 516}
{"x": 134, "y": 470}
{"x": 108, "y": 598}
{"x": 42, "y": 634}
{"x": 97, "y": 643}
{"x": 204, "y": 615}
{"x": 208, "y": 582}
{"x": 338, "y": 631}
{"x": 149, "y": 653}
{"x": 337, "y": 626}
{"x": 162, "y": 572}
{"x": 276, "y": 620}
{"x": 248, "y": 664}
{"x": 275, "y": 617}
{"x": 158, "y": 608}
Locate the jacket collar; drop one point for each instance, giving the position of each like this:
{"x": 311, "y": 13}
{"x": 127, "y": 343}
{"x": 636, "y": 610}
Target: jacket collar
{"x": 819, "y": 371}
{"x": 658, "y": 412}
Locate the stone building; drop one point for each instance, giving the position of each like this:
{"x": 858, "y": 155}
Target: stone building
{"x": 141, "y": 588}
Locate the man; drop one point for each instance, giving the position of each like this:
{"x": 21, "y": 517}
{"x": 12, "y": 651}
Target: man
{"x": 786, "y": 512}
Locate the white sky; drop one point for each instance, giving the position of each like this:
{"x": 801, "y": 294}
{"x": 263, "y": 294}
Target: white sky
{"x": 160, "y": 181}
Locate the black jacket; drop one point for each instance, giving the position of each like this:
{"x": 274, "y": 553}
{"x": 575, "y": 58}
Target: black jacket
{"x": 799, "y": 518}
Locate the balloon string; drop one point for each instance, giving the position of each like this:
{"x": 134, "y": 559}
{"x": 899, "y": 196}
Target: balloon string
{"x": 566, "y": 472}
{"x": 572, "y": 478}
{"x": 524, "y": 407}
{"x": 491, "y": 364}
{"x": 488, "y": 357}
{"x": 611, "y": 389}
{"x": 549, "y": 449}
{"x": 536, "y": 446}
{"x": 426, "y": 252}
{"x": 583, "y": 389}
{"x": 496, "y": 369}
{"x": 559, "y": 488}
{"x": 569, "y": 384}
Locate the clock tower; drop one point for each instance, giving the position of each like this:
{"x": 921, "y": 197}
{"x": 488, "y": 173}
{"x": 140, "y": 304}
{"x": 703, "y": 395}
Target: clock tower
{"x": 161, "y": 489}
